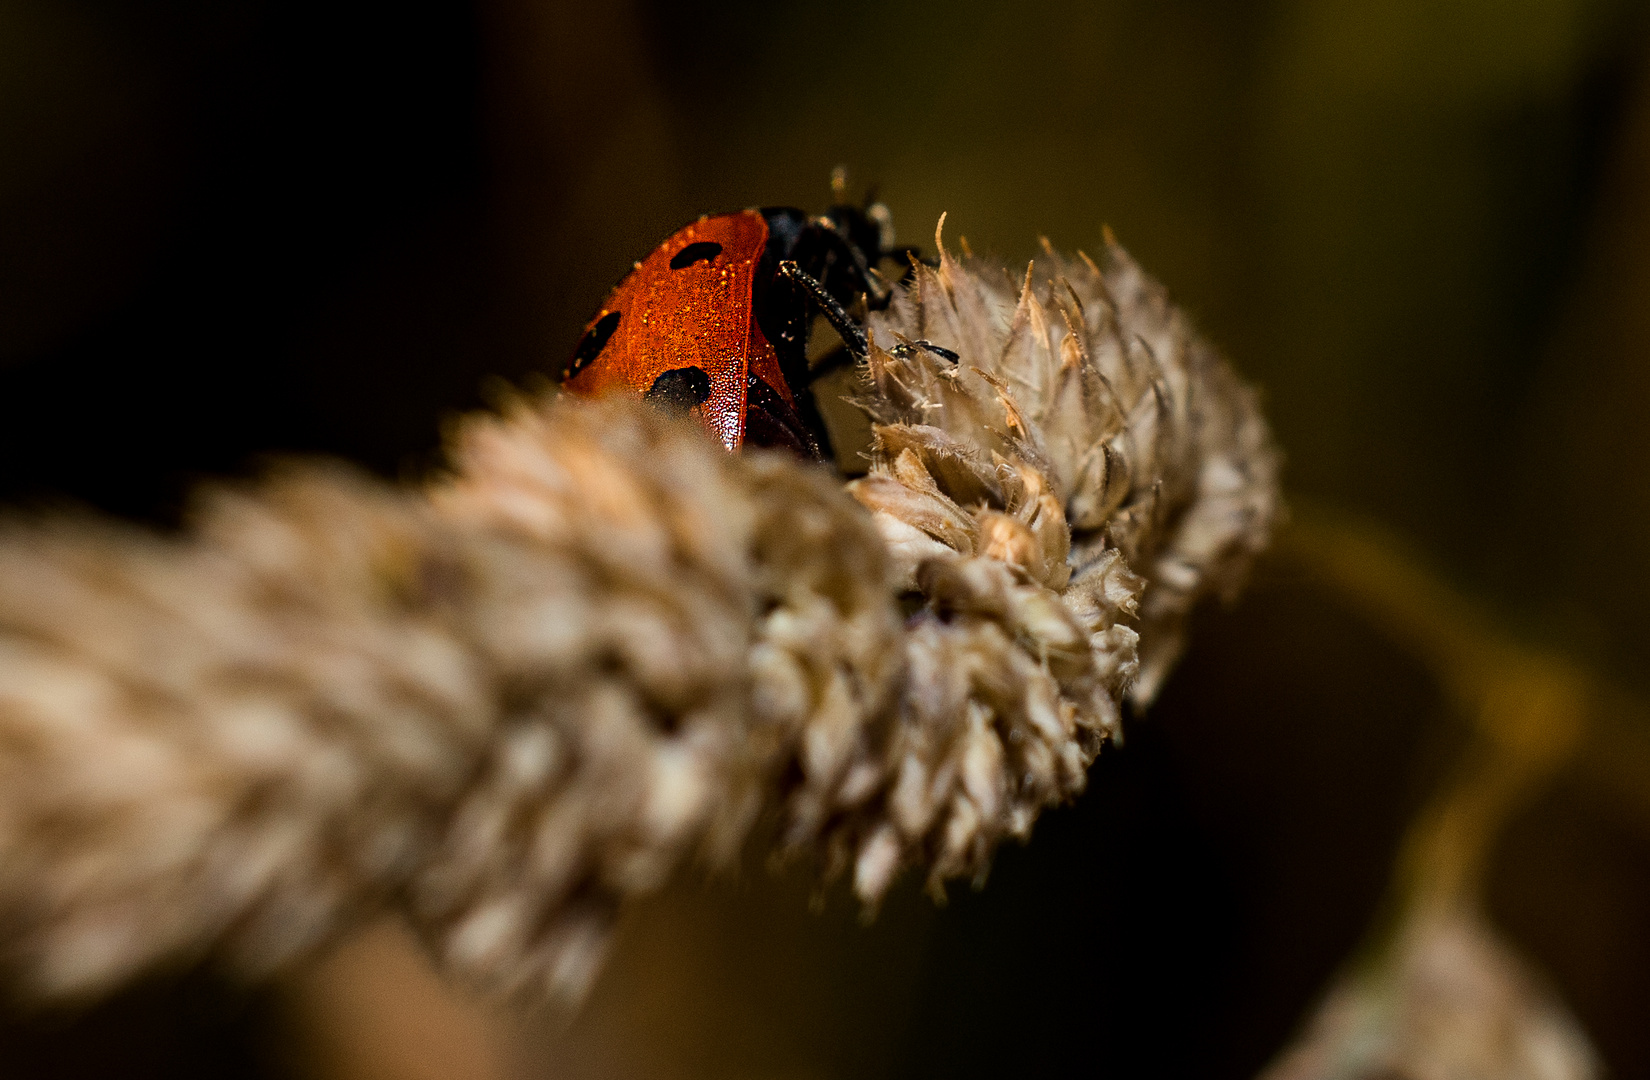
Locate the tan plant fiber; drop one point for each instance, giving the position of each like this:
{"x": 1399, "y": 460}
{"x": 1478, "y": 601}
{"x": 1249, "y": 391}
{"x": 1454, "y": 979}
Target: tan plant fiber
{"x": 600, "y": 648}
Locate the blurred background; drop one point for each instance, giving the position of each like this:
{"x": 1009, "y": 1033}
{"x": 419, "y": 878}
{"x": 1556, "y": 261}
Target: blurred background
{"x": 235, "y": 227}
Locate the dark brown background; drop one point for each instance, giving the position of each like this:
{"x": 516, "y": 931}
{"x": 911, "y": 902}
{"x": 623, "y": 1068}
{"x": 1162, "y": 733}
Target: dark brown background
{"x": 1423, "y": 226}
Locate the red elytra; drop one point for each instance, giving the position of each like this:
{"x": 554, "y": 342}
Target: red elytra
{"x": 681, "y": 328}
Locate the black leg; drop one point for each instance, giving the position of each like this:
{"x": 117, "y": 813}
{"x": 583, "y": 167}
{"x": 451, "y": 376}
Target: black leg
{"x": 852, "y": 336}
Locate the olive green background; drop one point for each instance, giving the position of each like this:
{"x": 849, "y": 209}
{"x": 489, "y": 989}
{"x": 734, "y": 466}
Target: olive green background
{"x": 1421, "y": 226}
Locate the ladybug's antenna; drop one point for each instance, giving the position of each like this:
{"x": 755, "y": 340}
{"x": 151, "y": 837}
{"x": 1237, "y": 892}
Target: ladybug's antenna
{"x": 853, "y": 338}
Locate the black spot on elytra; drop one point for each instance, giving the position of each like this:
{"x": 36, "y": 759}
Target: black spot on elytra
{"x": 691, "y": 254}
{"x": 679, "y": 390}
{"x": 591, "y": 345}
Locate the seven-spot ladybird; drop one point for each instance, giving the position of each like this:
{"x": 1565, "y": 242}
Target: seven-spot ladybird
{"x": 715, "y": 322}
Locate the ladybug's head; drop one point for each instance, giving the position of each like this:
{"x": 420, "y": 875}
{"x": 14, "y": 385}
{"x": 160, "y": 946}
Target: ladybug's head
{"x": 870, "y": 228}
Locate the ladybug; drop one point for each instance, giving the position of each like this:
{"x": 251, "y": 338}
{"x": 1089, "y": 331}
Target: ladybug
{"x": 715, "y": 321}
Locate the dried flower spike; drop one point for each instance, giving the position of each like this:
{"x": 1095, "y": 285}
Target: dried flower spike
{"x": 1446, "y": 998}
{"x": 603, "y": 647}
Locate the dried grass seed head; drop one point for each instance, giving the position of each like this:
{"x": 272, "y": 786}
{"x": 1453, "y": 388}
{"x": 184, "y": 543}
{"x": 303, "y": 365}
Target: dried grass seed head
{"x": 602, "y": 648}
